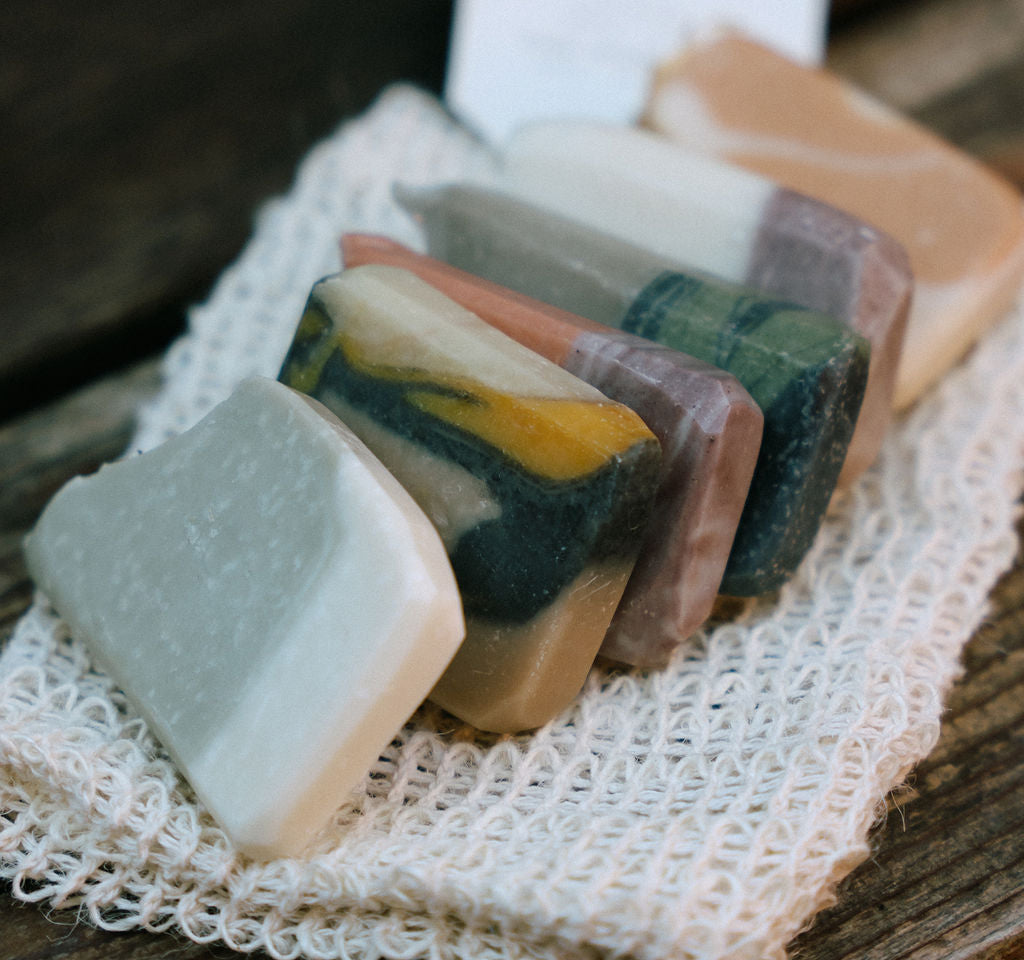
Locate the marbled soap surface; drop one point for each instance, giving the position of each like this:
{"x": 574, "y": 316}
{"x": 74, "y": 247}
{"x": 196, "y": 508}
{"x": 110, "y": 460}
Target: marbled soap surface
{"x": 806, "y": 371}
{"x": 267, "y": 595}
{"x": 961, "y": 224}
{"x": 809, "y": 380}
{"x": 708, "y": 426}
{"x": 710, "y": 429}
{"x": 716, "y": 217}
{"x": 540, "y": 486}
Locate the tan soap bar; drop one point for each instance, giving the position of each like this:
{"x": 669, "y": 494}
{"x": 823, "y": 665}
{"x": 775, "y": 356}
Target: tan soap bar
{"x": 268, "y": 596}
{"x": 808, "y": 130}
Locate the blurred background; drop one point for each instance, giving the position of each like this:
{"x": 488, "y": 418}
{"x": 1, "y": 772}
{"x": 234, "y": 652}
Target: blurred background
{"x": 140, "y": 138}
{"x": 138, "y": 141}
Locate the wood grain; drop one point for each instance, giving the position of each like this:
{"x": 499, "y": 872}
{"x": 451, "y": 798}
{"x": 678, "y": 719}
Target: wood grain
{"x": 946, "y": 878}
{"x": 912, "y": 54}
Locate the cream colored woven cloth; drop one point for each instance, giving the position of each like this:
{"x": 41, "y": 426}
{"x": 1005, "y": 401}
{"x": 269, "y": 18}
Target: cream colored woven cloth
{"x": 706, "y": 810}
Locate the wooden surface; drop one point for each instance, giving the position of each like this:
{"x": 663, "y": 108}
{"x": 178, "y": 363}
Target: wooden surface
{"x": 144, "y": 138}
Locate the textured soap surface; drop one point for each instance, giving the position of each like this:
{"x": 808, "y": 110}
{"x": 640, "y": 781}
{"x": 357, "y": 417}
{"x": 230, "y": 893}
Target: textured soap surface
{"x": 806, "y": 371}
{"x": 708, "y": 426}
{"x": 735, "y": 224}
{"x": 960, "y": 223}
{"x": 268, "y": 596}
{"x": 540, "y": 486}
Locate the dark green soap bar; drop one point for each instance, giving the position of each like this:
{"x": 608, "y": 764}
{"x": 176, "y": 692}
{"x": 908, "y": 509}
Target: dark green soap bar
{"x": 808, "y": 375}
{"x": 806, "y": 371}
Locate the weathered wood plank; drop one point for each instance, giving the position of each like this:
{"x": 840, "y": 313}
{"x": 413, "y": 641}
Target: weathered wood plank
{"x": 41, "y": 450}
{"x": 913, "y": 54}
{"x": 946, "y": 877}
{"x": 30, "y": 934}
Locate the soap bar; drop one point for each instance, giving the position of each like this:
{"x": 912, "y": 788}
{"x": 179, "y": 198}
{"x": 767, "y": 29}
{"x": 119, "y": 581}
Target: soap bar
{"x": 807, "y": 129}
{"x": 270, "y": 599}
{"x": 708, "y": 426}
{"x": 806, "y": 371}
{"x": 540, "y": 486}
{"x": 722, "y": 219}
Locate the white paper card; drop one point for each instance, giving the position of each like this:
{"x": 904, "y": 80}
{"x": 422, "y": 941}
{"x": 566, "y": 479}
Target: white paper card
{"x": 512, "y": 61}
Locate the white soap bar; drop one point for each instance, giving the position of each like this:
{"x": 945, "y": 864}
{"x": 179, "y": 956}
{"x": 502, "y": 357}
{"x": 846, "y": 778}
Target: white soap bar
{"x": 268, "y": 596}
{"x": 690, "y": 208}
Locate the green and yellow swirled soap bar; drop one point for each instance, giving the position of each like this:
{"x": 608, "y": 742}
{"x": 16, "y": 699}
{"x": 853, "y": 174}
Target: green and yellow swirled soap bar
{"x": 539, "y": 485}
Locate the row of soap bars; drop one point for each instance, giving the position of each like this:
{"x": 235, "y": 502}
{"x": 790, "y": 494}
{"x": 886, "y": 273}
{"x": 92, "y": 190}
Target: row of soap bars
{"x": 629, "y": 377}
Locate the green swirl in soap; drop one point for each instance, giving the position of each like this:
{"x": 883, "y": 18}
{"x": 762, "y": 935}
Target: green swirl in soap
{"x": 574, "y": 477}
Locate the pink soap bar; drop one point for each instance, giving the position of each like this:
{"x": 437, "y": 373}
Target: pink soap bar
{"x": 960, "y": 223}
{"x": 708, "y": 426}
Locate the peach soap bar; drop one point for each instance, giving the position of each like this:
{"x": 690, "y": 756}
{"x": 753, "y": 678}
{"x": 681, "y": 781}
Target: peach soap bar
{"x": 961, "y": 224}
{"x": 708, "y": 426}
{"x": 540, "y": 486}
{"x": 271, "y": 600}
{"x": 721, "y": 219}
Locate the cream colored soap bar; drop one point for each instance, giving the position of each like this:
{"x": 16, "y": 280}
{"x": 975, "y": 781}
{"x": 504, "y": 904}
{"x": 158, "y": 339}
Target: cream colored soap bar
{"x": 270, "y": 599}
{"x": 960, "y": 223}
